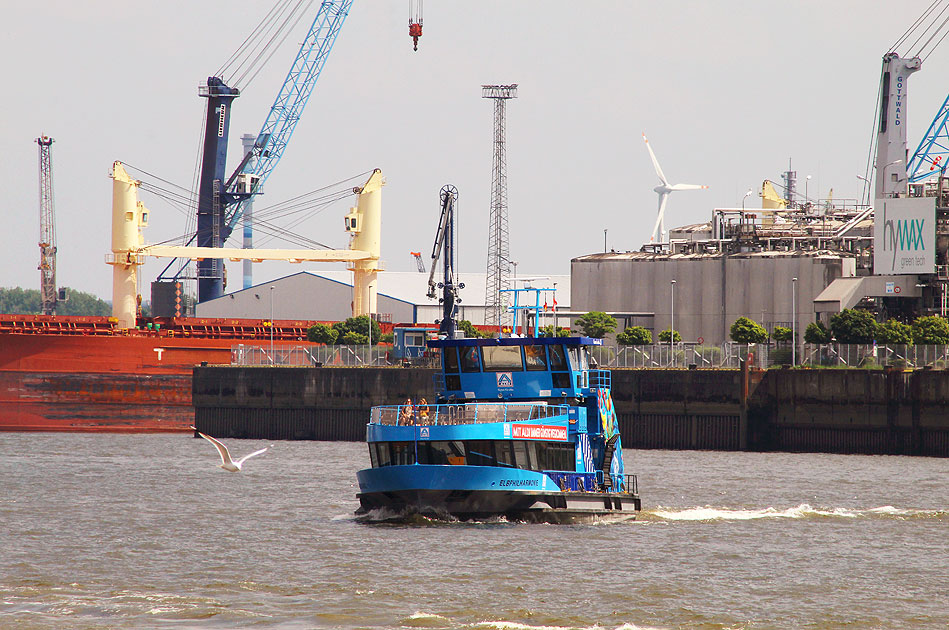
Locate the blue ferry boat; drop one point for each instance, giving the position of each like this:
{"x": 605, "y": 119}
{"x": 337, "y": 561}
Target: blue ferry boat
{"x": 522, "y": 427}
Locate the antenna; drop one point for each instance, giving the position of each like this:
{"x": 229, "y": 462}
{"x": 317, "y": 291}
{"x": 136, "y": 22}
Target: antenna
{"x": 498, "y": 276}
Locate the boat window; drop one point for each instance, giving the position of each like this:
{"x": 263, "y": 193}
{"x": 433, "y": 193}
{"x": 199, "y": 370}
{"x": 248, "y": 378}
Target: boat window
{"x": 505, "y": 453}
{"x": 403, "y": 453}
{"x": 521, "y": 458}
{"x": 555, "y": 456}
{"x": 470, "y": 359}
{"x": 481, "y": 453}
{"x": 442, "y": 453}
{"x": 502, "y": 358}
{"x": 451, "y": 359}
{"x": 453, "y": 382}
{"x": 561, "y": 380}
{"x": 558, "y": 359}
{"x": 382, "y": 454}
{"x": 535, "y": 358}
{"x": 578, "y": 360}
{"x": 373, "y": 460}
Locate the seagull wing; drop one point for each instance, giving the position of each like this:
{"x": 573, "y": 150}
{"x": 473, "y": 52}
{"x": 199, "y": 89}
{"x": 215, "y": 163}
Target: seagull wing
{"x": 225, "y": 456}
{"x": 246, "y": 457}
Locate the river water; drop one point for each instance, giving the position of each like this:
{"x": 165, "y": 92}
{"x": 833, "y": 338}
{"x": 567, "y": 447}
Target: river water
{"x": 145, "y": 531}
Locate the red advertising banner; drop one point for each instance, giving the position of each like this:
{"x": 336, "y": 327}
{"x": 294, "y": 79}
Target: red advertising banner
{"x": 538, "y": 432}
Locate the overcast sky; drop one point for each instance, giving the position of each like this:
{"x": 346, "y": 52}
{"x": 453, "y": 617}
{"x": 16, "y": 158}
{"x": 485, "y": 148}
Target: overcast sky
{"x": 727, "y": 92}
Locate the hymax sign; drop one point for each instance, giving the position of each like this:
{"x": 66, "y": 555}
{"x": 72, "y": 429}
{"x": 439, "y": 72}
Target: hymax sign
{"x": 904, "y": 236}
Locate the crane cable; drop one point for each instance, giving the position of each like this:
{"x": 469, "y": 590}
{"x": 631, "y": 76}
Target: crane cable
{"x": 305, "y": 206}
{"x": 263, "y": 42}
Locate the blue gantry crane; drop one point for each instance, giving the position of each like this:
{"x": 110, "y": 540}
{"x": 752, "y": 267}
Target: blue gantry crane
{"x": 932, "y": 154}
{"x": 221, "y": 201}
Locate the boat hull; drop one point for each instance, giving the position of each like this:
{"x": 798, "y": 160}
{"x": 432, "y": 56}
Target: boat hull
{"x": 482, "y": 492}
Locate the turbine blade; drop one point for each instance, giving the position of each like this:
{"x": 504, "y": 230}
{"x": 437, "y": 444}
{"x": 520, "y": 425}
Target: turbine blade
{"x": 662, "y": 209}
{"x": 687, "y": 187}
{"x": 655, "y": 162}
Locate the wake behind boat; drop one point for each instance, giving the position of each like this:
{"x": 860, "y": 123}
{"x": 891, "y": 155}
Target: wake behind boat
{"x": 522, "y": 428}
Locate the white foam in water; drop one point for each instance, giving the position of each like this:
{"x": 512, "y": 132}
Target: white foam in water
{"x": 510, "y": 625}
{"x": 803, "y": 510}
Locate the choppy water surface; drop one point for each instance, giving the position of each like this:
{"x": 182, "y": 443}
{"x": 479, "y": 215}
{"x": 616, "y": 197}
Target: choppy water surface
{"x": 145, "y": 531}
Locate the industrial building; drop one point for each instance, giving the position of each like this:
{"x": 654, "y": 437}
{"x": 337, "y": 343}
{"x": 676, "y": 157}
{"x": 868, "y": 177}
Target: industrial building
{"x": 327, "y": 295}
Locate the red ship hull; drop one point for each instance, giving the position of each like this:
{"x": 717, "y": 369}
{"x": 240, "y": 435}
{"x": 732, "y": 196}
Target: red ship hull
{"x": 78, "y": 374}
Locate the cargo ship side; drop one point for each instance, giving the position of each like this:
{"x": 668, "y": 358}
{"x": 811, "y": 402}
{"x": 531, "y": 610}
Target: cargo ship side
{"x": 67, "y": 373}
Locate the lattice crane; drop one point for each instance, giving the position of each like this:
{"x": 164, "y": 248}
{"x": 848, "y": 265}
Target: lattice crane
{"x": 220, "y": 200}
{"x": 47, "y": 266}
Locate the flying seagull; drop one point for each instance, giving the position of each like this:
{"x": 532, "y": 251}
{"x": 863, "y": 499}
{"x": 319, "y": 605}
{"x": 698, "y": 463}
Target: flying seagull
{"x": 226, "y": 462}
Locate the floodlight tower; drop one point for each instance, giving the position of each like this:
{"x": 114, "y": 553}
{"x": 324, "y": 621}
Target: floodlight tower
{"x": 498, "y": 276}
{"x": 47, "y": 265}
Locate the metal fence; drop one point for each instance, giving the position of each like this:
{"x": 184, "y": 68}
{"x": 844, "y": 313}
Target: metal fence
{"x": 729, "y": 355}
{"x": 681, "y": 355}
{"x": 314, "y": 356}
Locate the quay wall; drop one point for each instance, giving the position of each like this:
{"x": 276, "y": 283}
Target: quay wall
{"x": 836, "y": 411}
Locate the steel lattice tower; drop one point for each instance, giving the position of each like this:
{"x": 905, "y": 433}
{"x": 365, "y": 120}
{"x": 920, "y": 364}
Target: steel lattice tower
{"x": 47, "y": 265}
{"x": 499, "y": 262}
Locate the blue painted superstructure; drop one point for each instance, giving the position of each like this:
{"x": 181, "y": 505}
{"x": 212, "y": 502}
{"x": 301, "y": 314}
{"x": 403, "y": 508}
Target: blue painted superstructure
{"x": 521, "y": 427}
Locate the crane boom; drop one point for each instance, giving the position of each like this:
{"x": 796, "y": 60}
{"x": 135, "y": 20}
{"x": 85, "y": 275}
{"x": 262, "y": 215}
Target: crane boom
{"x": 220, "y": 201}
{"x": 47, "y": 264}
{"x": 444, "y": 248}
{"x": 285, "y": 113}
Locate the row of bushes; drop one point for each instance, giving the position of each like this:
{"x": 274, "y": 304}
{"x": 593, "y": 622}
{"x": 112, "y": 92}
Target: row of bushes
{"x": 850, "y": 326}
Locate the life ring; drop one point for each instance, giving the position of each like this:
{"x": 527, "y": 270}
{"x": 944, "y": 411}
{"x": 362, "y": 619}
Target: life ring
{"x": 701, "y": 340}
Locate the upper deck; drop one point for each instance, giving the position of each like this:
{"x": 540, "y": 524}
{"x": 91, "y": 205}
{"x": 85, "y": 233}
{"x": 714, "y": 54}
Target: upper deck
{"x": 518, "y": 368}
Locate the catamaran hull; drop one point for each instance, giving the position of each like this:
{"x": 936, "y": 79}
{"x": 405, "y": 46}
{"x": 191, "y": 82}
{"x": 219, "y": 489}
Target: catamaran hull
{"x": 479, "y": 493}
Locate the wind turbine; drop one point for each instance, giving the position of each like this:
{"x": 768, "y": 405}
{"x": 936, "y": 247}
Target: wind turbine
{"x": 664, "y": 189}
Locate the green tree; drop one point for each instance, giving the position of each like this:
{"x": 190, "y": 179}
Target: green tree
{"x": 321, "y": 333}
{"x": 634, "y": 336}
{"x": 548, "y": 331}
{"x": 782, "y": 333}
{"x": 930, "y": 330}
{"x": 893, "y": 331}
{"x": 745, "y": 330}
{"x": 360, "y": 326}
{"x": 470, "y": 331}
{"x": 27, "y": 302}
{"x": 853, "y": 326}
{"x": 665, "y": 334}
{"x": 816, "y": 333}
{"x": 387, "y": 338}
{"x": 353, "y": 338}
{"x": 596, "y": 324}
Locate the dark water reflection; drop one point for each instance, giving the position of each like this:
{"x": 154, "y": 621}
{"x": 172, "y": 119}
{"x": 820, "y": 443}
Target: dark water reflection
{"x": 110, "y": 531}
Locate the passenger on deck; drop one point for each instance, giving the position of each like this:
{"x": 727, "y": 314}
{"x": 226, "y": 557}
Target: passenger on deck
{"x": 423, "y": 411}
{"x": 407, "y": 413}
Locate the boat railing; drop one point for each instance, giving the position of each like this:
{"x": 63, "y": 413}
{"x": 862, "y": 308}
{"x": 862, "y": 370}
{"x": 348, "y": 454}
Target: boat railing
{"x": 465, "y": 413}
{"x": 598, "y": 379}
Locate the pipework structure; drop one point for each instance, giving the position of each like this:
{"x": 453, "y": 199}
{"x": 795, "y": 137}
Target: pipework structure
{"x": 498, "y": 270}
{"x": 47, "y": 266}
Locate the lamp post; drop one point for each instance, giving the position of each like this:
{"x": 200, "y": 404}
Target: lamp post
{"x": 807, "y": 180}
{"x": 272, "y": 362}
{"x": 672, "y": 321}
{"x": 793, "y": 322}
{"x": 747, "y": 194}
{"x": 604, "y": 241}
{"x": 888, "y": 165}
